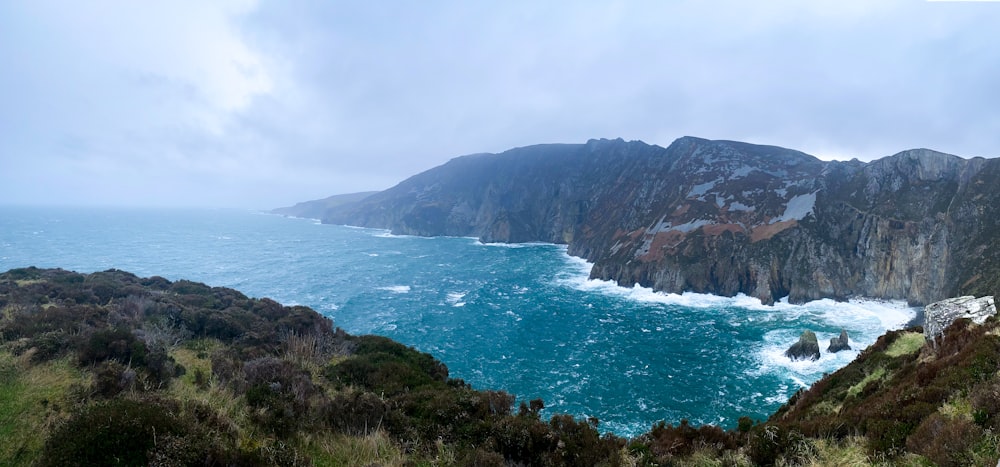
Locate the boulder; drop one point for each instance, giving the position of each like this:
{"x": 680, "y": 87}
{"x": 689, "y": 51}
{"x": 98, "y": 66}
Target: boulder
{"x": 839, "y": 343}
{"x": 940, "y": 315}
{"x": 806, "y": 348}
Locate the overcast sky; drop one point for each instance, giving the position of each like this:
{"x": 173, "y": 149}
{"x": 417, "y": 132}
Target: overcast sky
{"x": 262, "y": 104}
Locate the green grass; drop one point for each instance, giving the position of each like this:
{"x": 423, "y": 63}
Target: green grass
{"x": 826, "y": 408}
{"x": 27, "y": 282}
{"x": 873, "y": 376}
{"x": 32, "y": 400}
{"x": 849, "y": 452}
{"x": 958, "y": 407}
{"x": 907, "y": 343}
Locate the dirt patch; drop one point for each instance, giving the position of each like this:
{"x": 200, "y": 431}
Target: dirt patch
{"x": 766, "y": 231}
{"x": 718, "y": 229}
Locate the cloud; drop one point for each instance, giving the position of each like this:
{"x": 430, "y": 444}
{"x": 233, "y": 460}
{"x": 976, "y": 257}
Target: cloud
{"x": 263, "y": 104}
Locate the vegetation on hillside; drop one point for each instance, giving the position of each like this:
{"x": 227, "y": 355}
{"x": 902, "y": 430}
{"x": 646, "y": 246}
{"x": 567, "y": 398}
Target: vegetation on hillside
{"x": 112, "y": 369}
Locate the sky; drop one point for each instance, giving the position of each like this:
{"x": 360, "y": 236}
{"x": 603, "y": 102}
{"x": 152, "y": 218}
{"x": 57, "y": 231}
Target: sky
{"x": 261, "y": 104}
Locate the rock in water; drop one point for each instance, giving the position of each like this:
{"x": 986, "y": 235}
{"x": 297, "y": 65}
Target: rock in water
{"x": 839, "y": 343}
{"x": 806, "y": 348}
{"x": 939, "y": 315}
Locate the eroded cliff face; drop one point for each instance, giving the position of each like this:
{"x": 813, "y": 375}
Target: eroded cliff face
{"x": 721, "y": 217}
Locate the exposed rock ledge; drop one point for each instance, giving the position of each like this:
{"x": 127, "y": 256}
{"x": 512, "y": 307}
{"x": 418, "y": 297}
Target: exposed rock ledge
{"x": 939, "y": 315}
{"x": 807, "y": 348}
{"x": 839, "y": 343}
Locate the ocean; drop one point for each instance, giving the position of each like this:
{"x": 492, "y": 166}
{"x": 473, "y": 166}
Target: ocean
{"x": 522, "y": 318}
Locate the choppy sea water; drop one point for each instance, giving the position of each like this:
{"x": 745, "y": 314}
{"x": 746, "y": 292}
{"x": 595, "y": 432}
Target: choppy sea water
{"x": 522, "y": 318}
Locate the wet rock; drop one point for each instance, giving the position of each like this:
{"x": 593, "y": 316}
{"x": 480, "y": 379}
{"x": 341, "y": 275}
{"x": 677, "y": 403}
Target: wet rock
{"x": 807, "y": 347}
{"x": 839, "y": 343}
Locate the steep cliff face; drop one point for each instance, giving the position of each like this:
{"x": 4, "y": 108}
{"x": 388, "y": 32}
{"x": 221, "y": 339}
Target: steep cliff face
{"x": 721, "y": 217}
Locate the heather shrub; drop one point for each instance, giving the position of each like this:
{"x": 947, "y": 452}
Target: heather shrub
{"x": 49, "y": 345}
{"x": 384, "y": 366}
{"x": 945, "y": 440}
{"x": 986, "y": 404}
{"x": 668, "y": 441}
{"x": 481, "y": 458}
{"x": 112, "y": 378}
{"x": 769, "y": 443}
{"x": 578, "y": 443}
{"x": 117, "y": 344}
{"x": 30, "y": 321}
{"x": 358, "y": 413}
{"x": 282, "y": 395}
{"x": 123, "y": 432}
{"x": 523, "y": 440}
{"x": 226, "y": 366}
{"x": 887, "y": 437}
{"x": 161, "y": 368}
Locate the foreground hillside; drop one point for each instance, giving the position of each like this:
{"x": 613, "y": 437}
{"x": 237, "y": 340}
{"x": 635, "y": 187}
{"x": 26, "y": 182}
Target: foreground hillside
{"x": 112, "y": 369}
{"x": 721, "y": 217}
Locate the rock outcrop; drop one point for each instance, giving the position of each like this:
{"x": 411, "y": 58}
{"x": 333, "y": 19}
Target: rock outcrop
{"x": 939, "y": 315}
{"x": 839, "y": 343}
{"x": 721, "y": 217}
{"x": 807, "y": 347}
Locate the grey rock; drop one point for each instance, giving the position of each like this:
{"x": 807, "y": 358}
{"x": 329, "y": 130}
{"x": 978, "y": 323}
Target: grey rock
{"x": 939, "y": 315}
{"x": 839, "y": 343}
{"x": 807, "y": 347}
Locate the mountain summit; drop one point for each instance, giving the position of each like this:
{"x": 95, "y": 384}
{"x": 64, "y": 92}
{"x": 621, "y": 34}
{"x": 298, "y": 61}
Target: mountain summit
{"x": 721, "y": 217}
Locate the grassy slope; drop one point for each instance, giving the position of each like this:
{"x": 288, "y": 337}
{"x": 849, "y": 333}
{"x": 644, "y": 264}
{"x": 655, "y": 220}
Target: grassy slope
{"x": 193, "y": 375}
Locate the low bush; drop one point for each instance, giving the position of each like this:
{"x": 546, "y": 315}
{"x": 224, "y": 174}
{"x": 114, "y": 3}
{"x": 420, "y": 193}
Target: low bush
{"x": 986, "y": 404}
{"x": 282, "y": 395}
{"x": 947, "y": 441}
{"x": 125, "y": 432}
{"x": 357, "y": 413}
{"x": 117, "y": 344}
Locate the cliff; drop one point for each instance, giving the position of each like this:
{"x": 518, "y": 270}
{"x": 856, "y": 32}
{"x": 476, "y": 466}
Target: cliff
{"x": 721, "y": 217}
{"x": 317, "y": 209}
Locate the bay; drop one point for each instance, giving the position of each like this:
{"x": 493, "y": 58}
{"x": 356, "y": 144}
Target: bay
{"x": 521, "y": 318}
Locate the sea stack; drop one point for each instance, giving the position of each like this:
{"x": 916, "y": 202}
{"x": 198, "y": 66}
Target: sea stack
{"x": 839, "y": 343}
{"x": 806, "y": 348}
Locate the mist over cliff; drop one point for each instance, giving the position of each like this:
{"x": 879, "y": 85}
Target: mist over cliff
{"x": 721, "y": 217}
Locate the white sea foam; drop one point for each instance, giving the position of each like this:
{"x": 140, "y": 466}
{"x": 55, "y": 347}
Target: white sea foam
{"x": 888, "y": 314}
{"x": 396, "y": 289}
{"x": 455, "y": 298}
{"x": 387, "y": 234}
{"x": 478, "y": 242}
{"x": 864, "y": 319}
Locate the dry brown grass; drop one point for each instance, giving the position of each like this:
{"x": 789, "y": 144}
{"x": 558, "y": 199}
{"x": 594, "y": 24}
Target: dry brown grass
{"x": 341, "y": 450}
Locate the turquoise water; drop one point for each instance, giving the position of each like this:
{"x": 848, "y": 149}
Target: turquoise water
{"x": 522, "y": 318}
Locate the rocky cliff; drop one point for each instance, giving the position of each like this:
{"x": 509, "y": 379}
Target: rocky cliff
{"x": 939, "y": 315}
{"x": 721, "y": 217}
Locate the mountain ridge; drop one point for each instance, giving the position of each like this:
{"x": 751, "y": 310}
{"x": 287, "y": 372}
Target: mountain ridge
{"x": 721, "y": 217}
